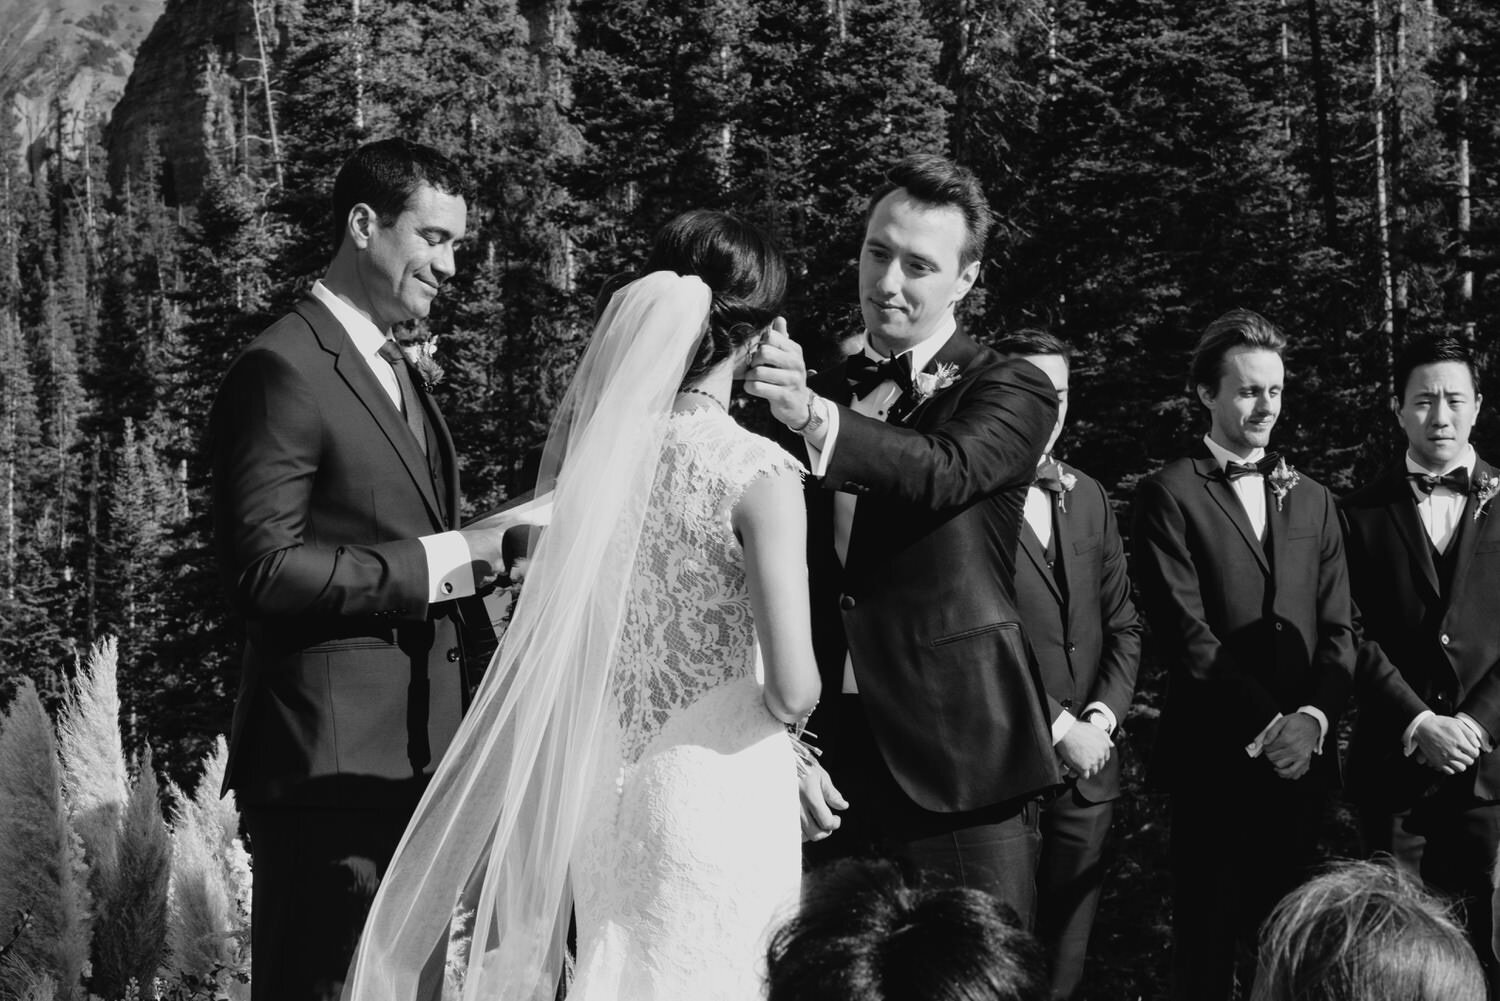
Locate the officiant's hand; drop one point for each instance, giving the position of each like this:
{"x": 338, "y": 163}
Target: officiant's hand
{"x": 1085, "y": 749}
{"x": 778, "y": 375}
{"x": 819, "y": 799}
{"x": 1290, "y": 743}
{"x": 1444, "y": 743}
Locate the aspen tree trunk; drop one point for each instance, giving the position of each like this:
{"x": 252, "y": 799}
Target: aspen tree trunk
{"x": 1325, "y": 142}
{"x": 265, "y": 86}
{"x": 1382, "y": 199}
{"x": 359, "y": 68}
{"x": 1284, "y": 86}
{"x": 1396, "y": 188}
{"x": 1465, "y": 207}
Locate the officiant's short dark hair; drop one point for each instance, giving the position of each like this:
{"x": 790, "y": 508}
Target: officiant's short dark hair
{"x": 1238, "y": 328}
{"x": 937, "y": 181}
{"x": 384, "y": 175}
{"x": 1034, "y": 341}
{"x": 1430, "y": 349}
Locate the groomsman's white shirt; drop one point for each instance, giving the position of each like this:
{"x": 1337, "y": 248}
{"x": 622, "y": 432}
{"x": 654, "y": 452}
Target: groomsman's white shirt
{"x": 1440, "y": 511}
{"x": 449, "y": 563}
{"x": 877, "y": 404}
{"x": 1251, "y": 490}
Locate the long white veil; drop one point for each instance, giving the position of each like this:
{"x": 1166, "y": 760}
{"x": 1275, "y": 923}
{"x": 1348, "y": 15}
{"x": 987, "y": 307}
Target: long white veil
{"x": 497, "y": 825}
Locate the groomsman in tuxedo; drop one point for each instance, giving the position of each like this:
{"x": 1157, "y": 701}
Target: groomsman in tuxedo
{"x": 1424, "y": 559}
{"x": 1241, "y": 569}
{"x": 934, "y": 720}
{"x": 1074, "y": 597}
{"x": 335, "y": 499}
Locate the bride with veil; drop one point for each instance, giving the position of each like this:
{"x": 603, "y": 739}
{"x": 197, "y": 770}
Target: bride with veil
{"x": 621, "y": 760}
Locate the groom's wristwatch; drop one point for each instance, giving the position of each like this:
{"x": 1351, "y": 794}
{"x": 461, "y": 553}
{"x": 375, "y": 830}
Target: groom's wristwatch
{"x": 814, "y": 415}
{"x": 1098, "y": 719}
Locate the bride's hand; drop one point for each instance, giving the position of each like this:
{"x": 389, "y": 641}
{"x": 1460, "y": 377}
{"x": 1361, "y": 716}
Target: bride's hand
{"x": 820, "y": 797}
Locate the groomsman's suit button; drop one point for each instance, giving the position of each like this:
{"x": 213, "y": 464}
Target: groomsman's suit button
{"x": 846, "y": 602}
{"x": 447, "y": 587}
{"x": 1279, "y": 627}
{"x": 1443, "y": 639}
{"x": 1072, "y": 647}
{"x": 453, "y": 655}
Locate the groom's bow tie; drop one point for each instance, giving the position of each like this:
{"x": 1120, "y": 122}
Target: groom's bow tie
{"x": 865, "y": 373}
{"x": 1234, "y": 470}
{"x": 1049, "y": 477}
{"x": 1457, "y": 481}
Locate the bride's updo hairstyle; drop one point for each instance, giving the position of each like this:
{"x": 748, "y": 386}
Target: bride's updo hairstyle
{"x": 742, "y": 267}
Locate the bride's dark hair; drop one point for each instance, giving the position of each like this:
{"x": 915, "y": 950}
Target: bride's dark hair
{"x": 739, "y": 263}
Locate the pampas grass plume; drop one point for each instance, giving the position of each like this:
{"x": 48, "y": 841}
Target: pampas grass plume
{"x": 41, "y": 857}
{"x": 131, "y": 927}
{"x": 94, "y": 775}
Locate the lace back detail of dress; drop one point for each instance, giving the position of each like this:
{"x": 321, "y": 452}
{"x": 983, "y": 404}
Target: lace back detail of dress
{"x": 688, "y": 624}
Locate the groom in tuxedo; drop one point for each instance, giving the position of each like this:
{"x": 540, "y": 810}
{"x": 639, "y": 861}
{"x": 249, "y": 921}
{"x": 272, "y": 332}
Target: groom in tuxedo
{"x": 335, "y": 499}
{"x": 1074, "y": 597}
{"x": 1240, "y": 562}
{"x": 1424, "y": 558}
{"x": 934, "y": 720}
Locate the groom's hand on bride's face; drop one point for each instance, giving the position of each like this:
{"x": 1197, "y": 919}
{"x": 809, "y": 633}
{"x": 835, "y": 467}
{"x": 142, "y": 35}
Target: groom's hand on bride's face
{"x": 820, "y": 797}
{"x": 778, "y": 374}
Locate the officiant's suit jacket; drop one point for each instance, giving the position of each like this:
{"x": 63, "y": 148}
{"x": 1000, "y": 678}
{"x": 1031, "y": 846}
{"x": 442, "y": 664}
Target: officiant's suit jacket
{"x": 1421, "y": 650}
{"x": 925, "y": 602}
{"x": 1247, "y": 628}
{"x": 352, "y": 685}
{"x": 1082, "y": 627}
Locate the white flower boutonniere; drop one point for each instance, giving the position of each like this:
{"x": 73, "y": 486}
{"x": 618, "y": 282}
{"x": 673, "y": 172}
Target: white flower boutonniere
{"x": 924, "y": 384}
{"x": 1282, "y": 479}
{"x": 1068, "y": 481}
{"x": 1484, "y": 486}
{"x": 421, "y": 354}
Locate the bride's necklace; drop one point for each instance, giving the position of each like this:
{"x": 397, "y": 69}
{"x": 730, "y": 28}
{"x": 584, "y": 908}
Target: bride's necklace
{"x": 704, "y": 393}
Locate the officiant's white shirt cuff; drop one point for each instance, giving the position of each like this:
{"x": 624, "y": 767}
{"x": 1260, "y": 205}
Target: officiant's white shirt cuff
{"x": 1062, "y": 725}
{"x": 1409, "y": 738}
{"x": 818, "y": 458}
{"x": 450, "y": 570}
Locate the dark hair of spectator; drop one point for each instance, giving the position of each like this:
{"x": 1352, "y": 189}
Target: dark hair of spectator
{"x": 384, "y": 175}
{"x": 1430, "y": 349}
{"x": 939, "y": 182}
{"x": 865, "y": 934}
{"x": 1365, "y": 931}
{"x": 1238, "y": 328}
{"x": 736, "y": 261}
{"x": 1031, "y": 341}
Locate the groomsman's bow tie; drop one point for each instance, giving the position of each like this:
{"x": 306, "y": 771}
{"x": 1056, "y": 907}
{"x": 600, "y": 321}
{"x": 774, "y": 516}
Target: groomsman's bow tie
{"x": 865, "y": 373}
{"x": 1457, "y": 481}
{"x": 1049, "y": 478}
{"x": 1234, "y": 470}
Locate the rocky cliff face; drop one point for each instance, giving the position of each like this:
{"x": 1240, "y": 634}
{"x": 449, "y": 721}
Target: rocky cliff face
{"x": 63, "y": 63}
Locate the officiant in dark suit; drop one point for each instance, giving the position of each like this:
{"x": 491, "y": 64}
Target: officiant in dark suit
{"x": 335, "y": 499}
{"x": 1074, "y": 599}
{"x": 1241, "y": 569}
{"x": 1424, "y": 559}
{"x": 934, "y": 719}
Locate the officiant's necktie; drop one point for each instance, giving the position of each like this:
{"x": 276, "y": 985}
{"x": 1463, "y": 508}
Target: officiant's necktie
{"x": 1234, "y": 470}
{"x": 411, "y": 406}
{"x": 865, "y": 373}
{"x": 1457, "y": 481}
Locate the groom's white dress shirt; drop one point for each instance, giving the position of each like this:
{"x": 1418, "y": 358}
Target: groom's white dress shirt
{"x": 450, "y": 573}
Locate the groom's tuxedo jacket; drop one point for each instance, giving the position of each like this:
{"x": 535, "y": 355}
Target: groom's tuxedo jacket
{"x": 352, "y": 685}
{"x": 1247, "y": 628}
{"x": 1426, "y": 646}
{"x": 1079, "y": 617}
{"x": 925, "y": 603}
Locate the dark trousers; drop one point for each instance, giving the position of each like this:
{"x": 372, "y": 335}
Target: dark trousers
{"x": 994, "y": 849}
{"x": 1450, "y": 843}
{"x": 315, "y": 875}
{"x": 1069, "y": 879}
{"x": 1235, "y": 851}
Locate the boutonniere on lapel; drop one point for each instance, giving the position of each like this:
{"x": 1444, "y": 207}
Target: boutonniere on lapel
{"x": 1483, "y": 486}
{"x": 1281, "y": 480}
{"x": 925, "y": 384}
{"x": 421, "y": 354}
{"x": 1056, "y": 480}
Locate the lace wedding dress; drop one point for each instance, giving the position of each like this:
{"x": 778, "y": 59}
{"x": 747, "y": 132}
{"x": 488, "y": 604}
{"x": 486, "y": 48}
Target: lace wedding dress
{"x": 690, "y": 851}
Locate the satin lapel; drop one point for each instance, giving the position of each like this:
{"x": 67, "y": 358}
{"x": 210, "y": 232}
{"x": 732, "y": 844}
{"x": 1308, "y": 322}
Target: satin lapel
{"x": 1470, "y": 530}
{"x": 1402, "y": 508}
{"x": 1032, "y": 546}
{"x": 962, "y": 353}
{"x": 356, "y": 374}
{"x": 1224, "y": 496}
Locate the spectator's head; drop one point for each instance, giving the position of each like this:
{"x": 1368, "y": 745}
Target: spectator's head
{"x": 1438, "y": 385}
{"x": 1365, "y": 931}
{"x": 1237, "y": 374}
{"x": 864, "y": 934}
{"x": 925, "y": 231}
{"x": 1053, "y": 356}
{"x": 398, "y": 210}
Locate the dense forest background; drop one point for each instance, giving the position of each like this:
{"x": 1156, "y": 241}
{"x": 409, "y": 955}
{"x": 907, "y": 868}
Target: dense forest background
{"x": 1334, "y": 164}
